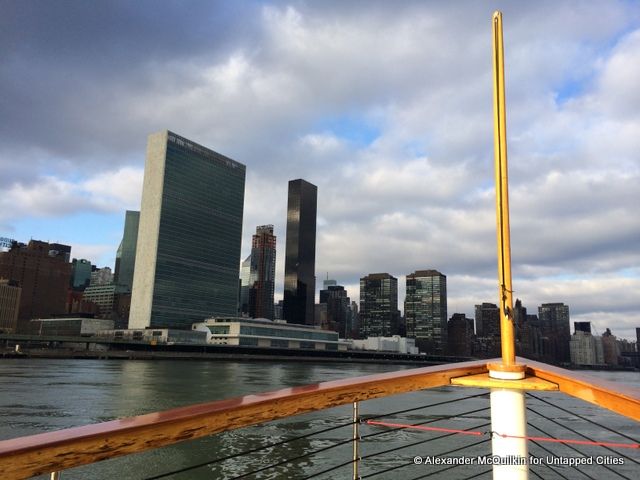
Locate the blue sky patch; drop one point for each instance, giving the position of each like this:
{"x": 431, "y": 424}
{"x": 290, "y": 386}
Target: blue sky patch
{"x": 353, "y": 128}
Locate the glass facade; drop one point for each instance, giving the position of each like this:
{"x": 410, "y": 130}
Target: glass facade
{"x": 126, "y": 254}
{"x": 425, "y": 310}
{"x": 287, "y": 333}
{"x": 194, "y": 198}
{"x": 81, "y": 273}
{"x": 379, "y": 315}
{"x": 556, "y": 326}
{"x": 300, "y": 255}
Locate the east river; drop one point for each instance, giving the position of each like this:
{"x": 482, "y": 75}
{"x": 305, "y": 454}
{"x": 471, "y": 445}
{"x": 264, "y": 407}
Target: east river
{"x": 39, "y": 395}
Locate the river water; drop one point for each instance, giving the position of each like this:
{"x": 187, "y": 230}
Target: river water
{"x": 38, "y": 395}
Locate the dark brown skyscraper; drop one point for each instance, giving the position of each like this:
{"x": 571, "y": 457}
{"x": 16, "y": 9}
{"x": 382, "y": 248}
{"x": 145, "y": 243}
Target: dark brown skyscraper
{"x": 262, "y": 273}
{"x": 300, "y": 256}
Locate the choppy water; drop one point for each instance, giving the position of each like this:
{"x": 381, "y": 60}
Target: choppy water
{"x": 43, "y": 395}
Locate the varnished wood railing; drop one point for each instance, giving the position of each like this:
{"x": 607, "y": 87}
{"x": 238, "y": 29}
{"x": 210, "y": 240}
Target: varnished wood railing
{"x": 612, "y": 396}
{"x": 54, "y": 451}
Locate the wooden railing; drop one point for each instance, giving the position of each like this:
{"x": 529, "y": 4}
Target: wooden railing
{"x": 612, "y": 396}
{"x": 55, "y": 451}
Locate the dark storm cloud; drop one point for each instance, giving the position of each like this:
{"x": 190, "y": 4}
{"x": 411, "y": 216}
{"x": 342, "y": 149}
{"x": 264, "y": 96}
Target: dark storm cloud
{"x": 69, "y": 68}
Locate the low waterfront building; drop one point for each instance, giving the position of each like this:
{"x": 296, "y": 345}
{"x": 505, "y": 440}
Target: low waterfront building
{"x": 395, "y": 343}
{"x": 261, "y": 332}
{"x": 72, "y": 327}
{"x": 155, "y": 336}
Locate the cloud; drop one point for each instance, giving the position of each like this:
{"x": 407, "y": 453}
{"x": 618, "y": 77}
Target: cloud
{"x": 111, "y": 191}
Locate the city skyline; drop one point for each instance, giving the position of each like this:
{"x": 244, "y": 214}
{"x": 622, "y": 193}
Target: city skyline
{"x": 398, "y": 143}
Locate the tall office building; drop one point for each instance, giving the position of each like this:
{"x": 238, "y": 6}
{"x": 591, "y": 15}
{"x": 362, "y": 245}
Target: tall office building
{"x": 263, "y": 273}
{"x": 337, "y": 301}
{"x": 460, "y": 335}
{"x": 379, "y": 315}
{"x": 126, "y": 254}
{"x": 556, "y": 328}
{"x": 487, "y": 341}
{"x": 101, "y": 276}
{"x": 582, "y": 327}
{"x": 300, "y": 254}
{"x": 189, "y": 235}
{"x": 487, "y": 320}
{"x": 425, "y": 310}
{"x": 245, "y": 281}
{"x": 80, "y": 273}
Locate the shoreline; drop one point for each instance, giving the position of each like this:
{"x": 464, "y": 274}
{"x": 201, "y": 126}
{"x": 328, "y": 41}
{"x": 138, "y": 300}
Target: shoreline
{"x": 54, "y": 353}
{"x": 351, "y": 357}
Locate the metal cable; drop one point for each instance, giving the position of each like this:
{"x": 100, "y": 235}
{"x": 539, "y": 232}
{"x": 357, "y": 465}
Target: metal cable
{"x": 535, "y": 473}
{"x": 444, "y": 417}
{"x": 328, "y": 470}
{"x": 418, "y": 443}
{"x": 584, "y": 418}
{"x": 549, "y": 451}
{"x": 478, "y": 474}
{"x": 438, "y": 454}
{"x": 435, "y": 473}
{"x": 289, "y": 460}
{"x": 572, "y": 448}
{"x": 300, "y": 437}
{"x": 388, "y": 414}
{"x": 247, "y": 452}
{"x": 568, "y": 445}
{"x": 582, "y": 435}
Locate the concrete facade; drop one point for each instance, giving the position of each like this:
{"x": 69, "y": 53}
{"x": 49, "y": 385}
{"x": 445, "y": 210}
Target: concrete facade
{"x": 394, "y": 343}
{"x": 263, "y": 332}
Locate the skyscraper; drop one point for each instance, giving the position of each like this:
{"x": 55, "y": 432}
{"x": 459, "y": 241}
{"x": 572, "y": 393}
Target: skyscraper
{"x": 81, "y": 273}
{"x": 379, "y": 313}
{"x": 300, "y": 255}
{"x": 263, "y": 273}
{"x": 556, "y": 327}
{"x": 487, "y": 341}
{"x": 126, "y": 254}
{"x": 460, "y": 335}
{"x": 245, "y": 281}
{"x": 425, "y": 310}
{"x": 188, "y": 248}
{"x": 337, "y": 301}
{"x": 487, "y": 320}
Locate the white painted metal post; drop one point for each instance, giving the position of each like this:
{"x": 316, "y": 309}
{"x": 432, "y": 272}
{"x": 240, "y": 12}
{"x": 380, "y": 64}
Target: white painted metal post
{"x": 356, "y": 440}
{"x": 509, "y": 417}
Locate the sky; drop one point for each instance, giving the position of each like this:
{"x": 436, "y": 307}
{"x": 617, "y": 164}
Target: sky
{"x": 385, "y": 106}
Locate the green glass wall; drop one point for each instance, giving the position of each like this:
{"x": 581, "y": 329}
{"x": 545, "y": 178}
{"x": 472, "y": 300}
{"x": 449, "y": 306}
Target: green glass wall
{"x": 199, "y": 236}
